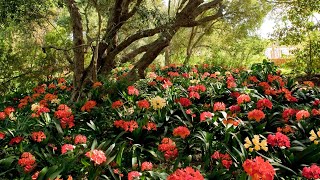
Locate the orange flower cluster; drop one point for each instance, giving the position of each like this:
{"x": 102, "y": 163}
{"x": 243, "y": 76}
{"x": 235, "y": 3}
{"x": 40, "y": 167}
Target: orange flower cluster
{"x": 181, "y": 131}
{"x": 97, "y": 156}
{"x": 38, "y": 136}
{"x": 64, "y": 113}
{"x": 96, "y": 84}
{"x": 205, "y": 115}
{"x": 38, "y": 109}
{"x": 186, "y": 173}
{"x": 308, "y": 83}
{"x": 49, "y": 97}
{"x": 279, "y": 140}
{"x": 262, "y": 103}
{"x": 88, "y": 106}
{"x": 288, "y": 113}
{"x": 27, "y": 161}
{"x": 302, "y": 114}
{"x": 146, "y": 166}
{"x": 231, "y": 82}
{"x": 24, "y": 102}
{"x": 80, "y": 139}
{"x": 133, "y": 91}
{"x": 194, "y": 94}
{"x": 2, "y": 115}
{"x": 197, "y": 88}
{"x": 286, "y": 129}
{"x": 219, "y": 106}
{"x": 126, "y": 125}
{"x": 2, "y": 135}
{"x": 312, "y": 172}
{"x": 116, "y": 104}
{"x": 150, "y": 126}
{"x": 315, "y": 112}
{"x": 133, "y": 175}
{"x": 225, "y": 159}
{"x": 259, "y": 169}
{"x": 185, "y": 102}
{"x": 143, "y": 104}
{"x": 8, "y": 110}
{"x": 243, "y": 98}
{"x": 168, "y": 147}
{"x": 256, "y": 115}
{"x": 15, "y": 140}
{"x": 66, "y": 147}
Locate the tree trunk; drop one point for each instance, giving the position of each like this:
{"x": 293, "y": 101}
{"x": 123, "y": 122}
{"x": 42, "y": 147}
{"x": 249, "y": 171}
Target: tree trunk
{"x": 167, "y": 56}
{"x": 78, "y": 49}
{"x": 154, "y": 50}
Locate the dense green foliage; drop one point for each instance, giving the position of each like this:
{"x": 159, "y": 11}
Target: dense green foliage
{"x": 210, "y": 114}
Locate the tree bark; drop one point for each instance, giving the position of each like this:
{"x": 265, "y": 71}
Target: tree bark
{"x": 78, "y": 50}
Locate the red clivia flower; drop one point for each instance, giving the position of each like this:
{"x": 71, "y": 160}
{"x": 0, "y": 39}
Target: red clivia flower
{"x": 97, "y": 156}
{"x": 187, "y": 173}
{"x": 116, "y": 104}
{"x": 185, "y": 102}
{"x": 2, "y": 135}
{"x": 315, "y": 112}
{"x": 126, "y": 125}
{"x": 35, "y": 175}
{"x": 219, "y": 106}
{"x": 262, "y": 103}
{"x": 64, "y": 113}
{"x": 259, "y": 169}
{"x": 256, "y": 115}
{"x": 27, "y": 161}
{"x": 235, "y": 94}
{"x": 133, "y": 91}
{"x": 133, "y": 175}
{"x": 143, "y": 104}
{"x": 80, "y": 139}
{"x": 225, "y": 159}
{"x": 96, "y": 84}
{"x": 288, "y": 113}
{"x": 205, "y": 115}
{"x": 166, "y": 84}
{"x": 49, "y": 97}
{"x": 88, "y": 106}
{"x": 316, "y": 102}
{"x": 66, "y": 147}
{"x": 2, "y": 115}
{"x": 51, "y": 86}
{"x": 253, "y": 79}
{"x": 168, "y": 147}
{"x": 146, "y": 166}
{"x": 243, "y": 98}
{"x": 150, "y": 126}
{"x": 312, "y": 172}
{"x": 173, "y": 74}
{"x": 279, "y": 140}
{"x": 302, "y": 114}
{"x": 181, "y": 131}
{"x": 194, "y": 94}
{"x": 8, "y": 110}
{"x": 15, "y": 140}
{"x": 235, "y": 108}
{"x": 38, "y": 136}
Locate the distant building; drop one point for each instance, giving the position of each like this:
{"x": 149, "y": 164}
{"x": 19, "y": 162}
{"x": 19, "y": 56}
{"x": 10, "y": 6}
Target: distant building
{"x": 279, "y": 54}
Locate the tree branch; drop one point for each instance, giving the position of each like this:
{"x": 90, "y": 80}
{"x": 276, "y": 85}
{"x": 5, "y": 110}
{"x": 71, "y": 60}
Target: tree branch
{"x": 134, "y": 53}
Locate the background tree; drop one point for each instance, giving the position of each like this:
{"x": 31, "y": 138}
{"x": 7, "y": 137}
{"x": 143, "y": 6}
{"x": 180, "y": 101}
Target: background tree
{"x": 300, "y": 26}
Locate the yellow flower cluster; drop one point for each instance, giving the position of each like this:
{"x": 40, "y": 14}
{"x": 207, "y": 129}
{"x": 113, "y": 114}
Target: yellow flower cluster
{"x": 158, "y": 103}
{"x": 315, "y": 137}
{"x": 255, "y": 144}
